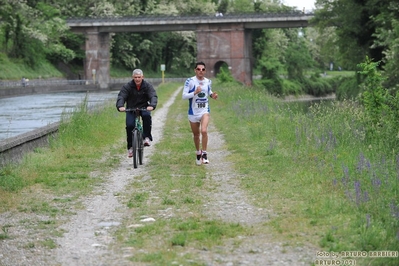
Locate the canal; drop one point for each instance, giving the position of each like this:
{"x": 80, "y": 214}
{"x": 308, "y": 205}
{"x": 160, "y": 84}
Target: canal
{"x": 22, "y": 114}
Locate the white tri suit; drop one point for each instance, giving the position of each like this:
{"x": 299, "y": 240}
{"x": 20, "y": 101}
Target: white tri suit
{"x": 199, "y": 103}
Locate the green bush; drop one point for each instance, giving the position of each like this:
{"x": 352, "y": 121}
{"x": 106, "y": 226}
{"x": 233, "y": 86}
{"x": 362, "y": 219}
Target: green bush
{"x": 273, "y": 86}
{"x": 224, "y": 75}
{"x": 347, "y": 88}
{"x": 381, "y": 108}
{"x": 318, "y": 86}
{"x": 292, "y": 87}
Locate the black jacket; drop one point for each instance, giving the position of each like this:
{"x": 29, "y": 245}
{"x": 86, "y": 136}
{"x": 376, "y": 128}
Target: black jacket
{"x": 146, "y": 96}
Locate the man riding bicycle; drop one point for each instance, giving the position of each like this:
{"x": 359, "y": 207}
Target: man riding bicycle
{"x": 137, "y": 93}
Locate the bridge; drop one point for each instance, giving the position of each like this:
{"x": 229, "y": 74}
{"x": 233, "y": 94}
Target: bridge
{"x": 220, "y": 39}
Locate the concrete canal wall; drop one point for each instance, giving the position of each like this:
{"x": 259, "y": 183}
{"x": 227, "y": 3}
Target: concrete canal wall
{"x": 20, "y": 91}
{"x": 13, "y": 149}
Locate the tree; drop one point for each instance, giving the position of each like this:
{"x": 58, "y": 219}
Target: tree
{"x": 269, "y": 46}
{"x": 195, "y": 7}
{"x": 297, "y": 56}
{"x": 354, "y": 26}
{"x": 387, "y": 35}
{"x": 33, "y": 31}
{"x": 223, "y": 6}
{"x": 323, "y": 48}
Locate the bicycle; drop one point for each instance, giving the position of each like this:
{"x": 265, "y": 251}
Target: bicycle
{"x": 137, "y": 137}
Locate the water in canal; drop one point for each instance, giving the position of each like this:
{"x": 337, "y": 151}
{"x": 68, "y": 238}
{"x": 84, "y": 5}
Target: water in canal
{"x": 22, "y": 114}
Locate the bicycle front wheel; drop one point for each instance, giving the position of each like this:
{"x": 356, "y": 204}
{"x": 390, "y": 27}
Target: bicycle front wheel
{"x": 141, "y": 148}
{"x": 135, "y": 146}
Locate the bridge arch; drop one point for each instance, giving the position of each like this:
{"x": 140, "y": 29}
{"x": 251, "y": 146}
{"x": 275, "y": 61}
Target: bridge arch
{"x": 216, "y": 68}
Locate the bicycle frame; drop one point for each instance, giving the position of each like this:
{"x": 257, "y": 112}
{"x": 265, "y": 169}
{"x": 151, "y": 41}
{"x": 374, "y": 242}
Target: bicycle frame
{"x": 137, "y": 137}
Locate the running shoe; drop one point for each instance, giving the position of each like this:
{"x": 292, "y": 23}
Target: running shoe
{"x": 147, "y": 142}
{"x": 205, "y": 158}
{"x": 130, "y": 153}
{"x": 198, "y": 161}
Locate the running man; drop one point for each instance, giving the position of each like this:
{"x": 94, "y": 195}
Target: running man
{"x": 196, "y": 90}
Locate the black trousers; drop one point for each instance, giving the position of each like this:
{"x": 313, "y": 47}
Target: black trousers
{"x": 130, "y": 123}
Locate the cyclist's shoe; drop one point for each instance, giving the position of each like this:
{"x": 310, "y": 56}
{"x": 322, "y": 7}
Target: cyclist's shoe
{"x": 198, "y": 161}
{"x": 130, "y": 153}
{"x": 147, "y": 142}
{"x": 205, "y": 158}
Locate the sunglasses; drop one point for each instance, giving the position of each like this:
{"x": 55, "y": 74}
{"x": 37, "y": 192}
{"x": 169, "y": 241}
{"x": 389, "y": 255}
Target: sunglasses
{"x": 200, "y": 69}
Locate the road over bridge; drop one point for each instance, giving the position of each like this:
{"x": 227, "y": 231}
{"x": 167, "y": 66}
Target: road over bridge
{"x": 220, "y": 39}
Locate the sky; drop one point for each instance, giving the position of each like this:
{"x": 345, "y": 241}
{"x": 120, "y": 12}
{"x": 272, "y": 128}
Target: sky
{"x": 300, "y": 4}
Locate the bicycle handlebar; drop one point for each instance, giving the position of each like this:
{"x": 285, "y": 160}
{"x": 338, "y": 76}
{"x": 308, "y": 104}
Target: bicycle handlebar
{"x": 136, "y": 109}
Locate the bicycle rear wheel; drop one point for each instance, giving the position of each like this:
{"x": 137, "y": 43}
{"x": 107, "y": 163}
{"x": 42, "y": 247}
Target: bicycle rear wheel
{"x": 140, "y": 147}
{"x": 135, "y": 147}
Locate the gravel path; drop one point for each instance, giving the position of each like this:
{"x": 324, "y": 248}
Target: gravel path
{"x": 85, "y": 237}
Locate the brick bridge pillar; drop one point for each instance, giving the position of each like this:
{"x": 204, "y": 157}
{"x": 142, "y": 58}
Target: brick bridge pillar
{"x": 226, "y": 43}
{"x": 96, "y": 64}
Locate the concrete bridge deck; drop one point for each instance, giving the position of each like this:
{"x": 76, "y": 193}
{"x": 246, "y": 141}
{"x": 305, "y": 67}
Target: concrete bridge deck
{"x": 189, "y": 23}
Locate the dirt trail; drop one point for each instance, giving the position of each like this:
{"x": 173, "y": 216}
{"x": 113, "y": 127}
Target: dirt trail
{"x": 89, "y": 233}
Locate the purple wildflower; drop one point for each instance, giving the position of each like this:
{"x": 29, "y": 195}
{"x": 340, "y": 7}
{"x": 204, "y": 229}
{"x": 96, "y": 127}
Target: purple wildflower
{"x": 366, "y": 196}
{"x": 397, "y": 165}
{"x": 376, "y": 182}
{"x": 360, "y": 163}
{"x": 367, "y": 220}
{"x": 394, "y": 210}
{"x": 358, "y": 192}
{"x": 297, "y": 135}
{"x": 348, "y": 195}
{"x": 345, "y": 178}
{"x": 368, "y": 165}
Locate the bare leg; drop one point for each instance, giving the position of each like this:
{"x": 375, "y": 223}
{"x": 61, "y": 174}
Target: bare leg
{"x": 204, "y": 131}
{"x": 195, "y": 128}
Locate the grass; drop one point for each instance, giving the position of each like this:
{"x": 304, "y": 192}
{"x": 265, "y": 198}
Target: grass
{"x": 325, "y": 183}
{"x": 4, "y": 232}
{"x": 15, "y": 70}
{"x": 339, "y": 73}
{"x": 315, "y": 169}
